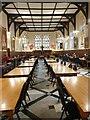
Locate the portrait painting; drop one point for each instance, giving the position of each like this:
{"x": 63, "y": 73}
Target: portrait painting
{"x": 4, "y": 39}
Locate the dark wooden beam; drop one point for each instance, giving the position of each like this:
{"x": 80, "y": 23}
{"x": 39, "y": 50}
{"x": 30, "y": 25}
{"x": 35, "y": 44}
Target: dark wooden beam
{"x": 43, "y": 22}
{"x": 40, "y": 8}
{"x": 41, "y": 27}
{"x": 52, "y": 16}
{"x": 40, "y": 30}
{"x": 41, "y": 15}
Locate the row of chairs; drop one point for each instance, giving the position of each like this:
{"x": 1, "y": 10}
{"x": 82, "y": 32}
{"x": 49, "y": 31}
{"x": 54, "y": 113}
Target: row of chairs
{"x": 69, "y": 106}
{"x": 24, "y": 92}
{"x": 50, "y": 72}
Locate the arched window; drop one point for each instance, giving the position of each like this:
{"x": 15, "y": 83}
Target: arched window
{"x": 38, "y": 42}
{"x": 59, "y": 42}
{"x": 24, "y": 42}
{"x": 42, "y": 40}
{"x": 46, "y": 43}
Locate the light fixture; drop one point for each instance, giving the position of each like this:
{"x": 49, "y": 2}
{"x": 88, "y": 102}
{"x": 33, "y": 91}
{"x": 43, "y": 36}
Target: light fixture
{"x": 16, "y": 37}
{"x": 67, "y": 37}
{"x": 75, "y": 31}
{"x": 13, "y": 38}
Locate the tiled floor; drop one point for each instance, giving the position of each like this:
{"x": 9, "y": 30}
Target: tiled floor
{"x": 44, "y": 105}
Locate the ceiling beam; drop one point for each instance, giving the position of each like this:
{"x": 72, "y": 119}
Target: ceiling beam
{"x": 40, "y": 8}
{"x": 53, "y": 13}
{"x": 30, "y": 13}
{"x": 41, "y": 14}
{"x": 41, "y": 27}
{"x": 63, "y": 31}
{"x": 43, "y": 22}
{"x": 40, "y": 30}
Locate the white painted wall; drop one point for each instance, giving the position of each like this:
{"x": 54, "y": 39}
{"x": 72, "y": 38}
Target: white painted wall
{"x": 3, "y": 20}
{"x": 31, "y": 37}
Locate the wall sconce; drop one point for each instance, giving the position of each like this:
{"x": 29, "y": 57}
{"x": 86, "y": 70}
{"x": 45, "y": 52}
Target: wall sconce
{"x": 13, "y": 38}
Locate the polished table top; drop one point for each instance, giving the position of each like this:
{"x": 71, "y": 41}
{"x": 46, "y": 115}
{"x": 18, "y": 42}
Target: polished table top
{"x": 24, "y": 71}
{"x": 79, "y": 88}
{"x": 28, "y": 64}
{"x": 60, "y": 69}
{"x": 10, "y": 91}
{"x": 51, "y": 61}
{"x": 30, "y": 60}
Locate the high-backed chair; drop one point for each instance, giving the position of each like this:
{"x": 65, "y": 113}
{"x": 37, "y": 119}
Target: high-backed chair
{"x": 69, "y": 108}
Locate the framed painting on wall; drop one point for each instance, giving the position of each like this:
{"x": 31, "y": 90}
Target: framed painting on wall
{"x": 86, "y": 42}
{"x": 75, "y": 42}
{"x": 0, "y": 38}
{"x": 4, "y": 39}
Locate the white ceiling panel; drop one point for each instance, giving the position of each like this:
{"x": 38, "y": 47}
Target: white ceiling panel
{"x": 57, "y": 17}
{"x": 64, "y": 19}
{"x": 73, "y": 6}
{"x": 70, "y": 11}
{"x": 36, "y": 17}
{"x": 45, "y": 28}
{"x": 21, "y": 5}
{"x": 51, "y": 28}
{"x": 59, "y": 11}
{"x": 35, "y": 11}
{"x": 48, "y": 17}
{"x": 47, "y": 5}
{"x": 62, "y": 5}
{"x": 47, "y": 11}
{"x": 60, "y": 25}
{"x": 37, "y": 20}
{"x": 46, "y": 23}
{"x": 35, "y": 5}
{"x": 23, "y": 25}
{"x": 52, "y": 25}
{"x": 37, "y": 24}
{"x": 24, "y": 11}
{"x": 29, "y": 24}
{"x": 31, "y": 29}
{"x": 45, "y": 20}
{"x": 37, "y": 28}
{"x": 11, "y": 11}
{"x": 26, "y": 17}
{"x": 27, "y": 20}
{"x": 10, "y": 6}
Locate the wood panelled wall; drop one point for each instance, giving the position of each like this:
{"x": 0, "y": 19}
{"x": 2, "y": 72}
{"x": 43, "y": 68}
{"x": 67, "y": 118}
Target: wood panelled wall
{"x": 80, "y": 52}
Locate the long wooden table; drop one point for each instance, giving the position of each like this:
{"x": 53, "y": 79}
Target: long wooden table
{"x": 19, "y": 72}
{"x": 79, "y": 88}
{"x": 29, "y": 64}
{"x": 87, "y": 62}
{"x": 10, "y": 89}
{"x": 61, "y": 70}
{"x": 51, "y": 61}
{"x": 30, "y": 61}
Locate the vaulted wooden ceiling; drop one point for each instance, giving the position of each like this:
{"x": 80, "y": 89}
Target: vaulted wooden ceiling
{"x": 36, "y": 17}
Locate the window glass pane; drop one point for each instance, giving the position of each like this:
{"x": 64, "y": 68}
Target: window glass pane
{"x": 38, "y": 42}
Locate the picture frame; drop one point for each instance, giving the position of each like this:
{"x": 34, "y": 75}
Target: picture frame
{"x": 3, "y": 38}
